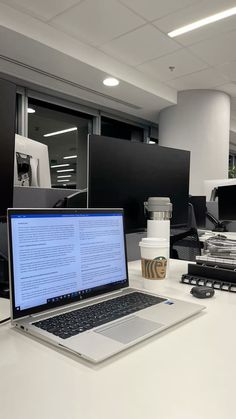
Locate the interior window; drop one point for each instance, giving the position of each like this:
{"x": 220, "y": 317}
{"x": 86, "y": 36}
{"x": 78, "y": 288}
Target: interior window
{"x": 65, "y": 132}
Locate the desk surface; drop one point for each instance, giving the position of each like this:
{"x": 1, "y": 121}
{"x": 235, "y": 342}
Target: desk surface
{"x": 187, "y": 372}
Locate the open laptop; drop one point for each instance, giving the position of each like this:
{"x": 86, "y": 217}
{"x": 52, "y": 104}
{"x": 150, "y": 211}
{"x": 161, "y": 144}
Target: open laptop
{"x": 69, "y": 283}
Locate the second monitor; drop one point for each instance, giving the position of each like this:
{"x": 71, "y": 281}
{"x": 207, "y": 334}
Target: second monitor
{"x": 124, "y": 174}
{"x": 227, "y": 202}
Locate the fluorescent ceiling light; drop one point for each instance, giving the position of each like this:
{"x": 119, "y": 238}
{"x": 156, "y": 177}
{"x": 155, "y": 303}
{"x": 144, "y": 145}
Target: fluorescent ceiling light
{"x": 50, "y": 134}
{"x": 203, "y": 22}
{"x": 70, "y": 157}
{"x": 65, "y": 170}
{"x": 30, "y": 110}
{"x": 61, "y": 176}
{"x": 111, "y": 82}
{"x": 63, "y": 180}
{"x": 60, "y": 165}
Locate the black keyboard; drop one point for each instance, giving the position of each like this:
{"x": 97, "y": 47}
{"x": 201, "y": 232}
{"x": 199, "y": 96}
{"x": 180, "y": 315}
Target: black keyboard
{"x": 78, "y": 321}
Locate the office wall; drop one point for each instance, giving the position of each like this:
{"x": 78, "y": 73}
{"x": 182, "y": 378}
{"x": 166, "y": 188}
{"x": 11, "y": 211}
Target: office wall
{"x": 200, "y": 123}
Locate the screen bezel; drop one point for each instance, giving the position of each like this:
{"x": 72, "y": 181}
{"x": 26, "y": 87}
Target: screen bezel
{"x": 16, "y": 314}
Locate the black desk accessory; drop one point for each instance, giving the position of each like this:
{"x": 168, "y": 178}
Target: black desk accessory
{"x": 218, "y": 225}
{"x": 217, "y": 277}
{"x": 202, "y": 292}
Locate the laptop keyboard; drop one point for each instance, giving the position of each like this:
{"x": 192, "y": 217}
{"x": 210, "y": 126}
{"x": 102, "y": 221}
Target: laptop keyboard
{"x": 78, "y": 321}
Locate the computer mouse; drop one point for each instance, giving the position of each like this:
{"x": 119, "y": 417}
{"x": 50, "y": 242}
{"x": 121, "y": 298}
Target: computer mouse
{"x": 202, "y": 292}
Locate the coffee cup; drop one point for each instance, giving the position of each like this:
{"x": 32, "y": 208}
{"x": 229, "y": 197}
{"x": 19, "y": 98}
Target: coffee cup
{"x": 154, "y": 258}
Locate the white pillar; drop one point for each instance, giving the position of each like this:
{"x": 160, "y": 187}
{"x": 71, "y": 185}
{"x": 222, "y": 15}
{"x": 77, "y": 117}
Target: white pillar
{"x": 200, "y": 123}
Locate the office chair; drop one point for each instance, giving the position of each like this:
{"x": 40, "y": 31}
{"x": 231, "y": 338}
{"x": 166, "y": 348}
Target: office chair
{"x": 184, "y": 243}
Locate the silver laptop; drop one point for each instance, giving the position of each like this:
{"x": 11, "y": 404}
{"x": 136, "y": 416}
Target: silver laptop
{"x": 69, "y": 283}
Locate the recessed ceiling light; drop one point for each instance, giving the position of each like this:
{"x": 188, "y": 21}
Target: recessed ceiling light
{"x": 30, "y": 110}
{"x": 62, "y": 176}
{"x": 111, "y": 82}
{"x": 63, "y": 180}
{"x": 63, "y": 131}
{"x": 70, "y": 157}
{"x": 60, "y": 165}
{"x": 203, "y": 22}
{"x": 65, "y": 170}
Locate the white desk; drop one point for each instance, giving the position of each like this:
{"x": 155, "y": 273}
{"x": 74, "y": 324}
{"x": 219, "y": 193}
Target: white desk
{"x": 4, "y": 309}
{"x": 188, "y": 372}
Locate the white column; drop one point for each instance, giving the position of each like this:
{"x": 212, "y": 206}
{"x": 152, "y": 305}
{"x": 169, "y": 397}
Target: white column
{"x": 200, "y": 123}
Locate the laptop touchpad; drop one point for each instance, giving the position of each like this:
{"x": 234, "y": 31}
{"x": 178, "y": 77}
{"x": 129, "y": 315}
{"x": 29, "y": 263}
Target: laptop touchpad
{"x": 128, "y": 330}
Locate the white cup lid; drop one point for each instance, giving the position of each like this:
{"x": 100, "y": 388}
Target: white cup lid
{"x": 154, "y": 242}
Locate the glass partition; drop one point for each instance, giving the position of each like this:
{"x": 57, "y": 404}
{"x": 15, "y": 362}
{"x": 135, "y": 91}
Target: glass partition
{"x": 65, "y": 132}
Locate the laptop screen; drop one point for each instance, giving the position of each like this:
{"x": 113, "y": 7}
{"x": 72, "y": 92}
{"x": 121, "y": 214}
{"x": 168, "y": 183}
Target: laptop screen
{"x": 63, "y": 256}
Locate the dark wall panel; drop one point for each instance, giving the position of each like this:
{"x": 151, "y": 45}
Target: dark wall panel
{"x": 7, "y": 143}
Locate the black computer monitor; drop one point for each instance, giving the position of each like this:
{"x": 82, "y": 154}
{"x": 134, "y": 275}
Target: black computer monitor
{"x": 124, "y": 174}
{"x": 77, "y": 200}
{"x": 227, "y": 202}
{"x": 200, "y": 209}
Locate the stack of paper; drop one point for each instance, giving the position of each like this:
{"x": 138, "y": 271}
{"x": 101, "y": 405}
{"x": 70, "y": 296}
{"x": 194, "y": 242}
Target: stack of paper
{"x": 219, "y": 250}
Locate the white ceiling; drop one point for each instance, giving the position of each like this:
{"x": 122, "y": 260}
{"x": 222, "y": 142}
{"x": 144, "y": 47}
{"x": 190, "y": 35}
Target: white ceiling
{"x": 126, "y": 38}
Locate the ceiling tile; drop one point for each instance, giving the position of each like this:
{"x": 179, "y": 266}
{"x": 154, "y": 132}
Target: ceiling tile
{"x": 141, "y": 45}
{"x": 192, "y": 13}
{"x": 154, "y": 9}
{"x": 207, "y": 32}
{"x": 183, "y": 61}
{"x": 218, "y": 50}
{"x": 43, "y": 9}
{"x": 228, "y": 70}
{"x": 96, "y": 22}
{"x": 205, "y": 79}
